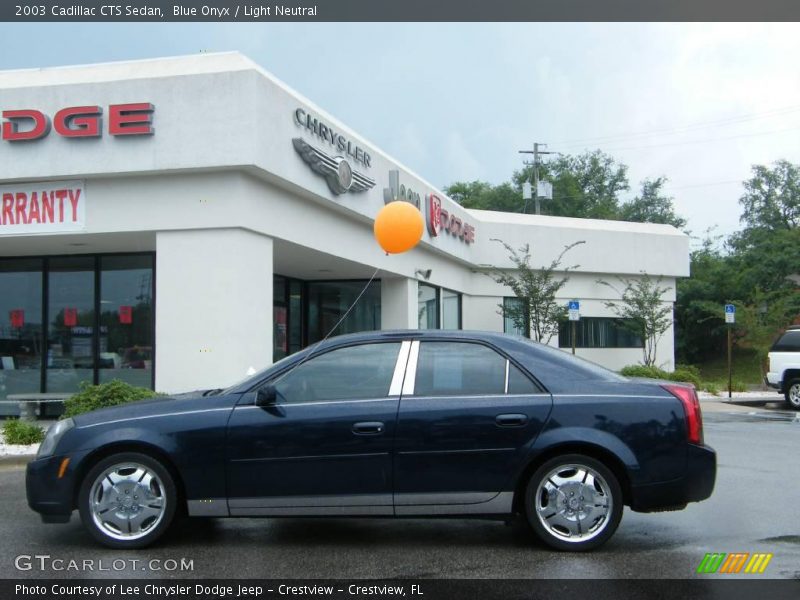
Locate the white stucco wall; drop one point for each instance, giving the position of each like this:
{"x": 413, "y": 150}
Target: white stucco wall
{"x": 222, "y": 197}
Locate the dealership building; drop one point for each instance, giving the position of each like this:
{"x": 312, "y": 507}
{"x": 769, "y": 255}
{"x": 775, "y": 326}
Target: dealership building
{"x": 179, "y": 222}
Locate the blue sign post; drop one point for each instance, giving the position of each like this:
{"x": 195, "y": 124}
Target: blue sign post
{"x": 730, "y": 319}
{"x": 574, "y": 315}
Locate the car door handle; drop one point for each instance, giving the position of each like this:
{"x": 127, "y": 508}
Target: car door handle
{"x": 368, "y": 428}
{"x": 511, "y": 420}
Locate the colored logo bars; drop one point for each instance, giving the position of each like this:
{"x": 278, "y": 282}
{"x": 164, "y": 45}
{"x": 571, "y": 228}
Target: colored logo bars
{"x": 735, "y": 562}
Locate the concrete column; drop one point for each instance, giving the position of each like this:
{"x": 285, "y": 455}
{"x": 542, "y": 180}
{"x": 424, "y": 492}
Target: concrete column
{"x": 399, "y": 303}
{"x": 213, "y": 307}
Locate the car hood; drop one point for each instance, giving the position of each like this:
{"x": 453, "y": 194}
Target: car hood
{"x": 157, "y": 406}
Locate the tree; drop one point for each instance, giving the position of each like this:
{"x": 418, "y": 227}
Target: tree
{"x": 485, "y": 196}
{"x": 538, "y": 312}
{"x": 652, "y": 206}
{"x": 772, "y": 197}
{"x": 642, "y": 311}
{"x": 585, "y": 186}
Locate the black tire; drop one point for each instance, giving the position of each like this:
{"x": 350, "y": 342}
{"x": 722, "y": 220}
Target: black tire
{"x": 792, "y": 394}
{"x": 577, "y": 502}
{"x": 151, "y": 515}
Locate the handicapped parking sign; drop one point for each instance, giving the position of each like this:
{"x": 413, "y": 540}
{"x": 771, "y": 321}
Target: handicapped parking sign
{"x": 574, "y": 310}
{"x": 730, "y": 313}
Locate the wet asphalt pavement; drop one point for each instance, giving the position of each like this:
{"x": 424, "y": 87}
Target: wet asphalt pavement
{"x": 755, "y": 508}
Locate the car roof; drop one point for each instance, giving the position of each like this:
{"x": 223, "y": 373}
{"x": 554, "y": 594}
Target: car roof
{"x": 417, "y": 334}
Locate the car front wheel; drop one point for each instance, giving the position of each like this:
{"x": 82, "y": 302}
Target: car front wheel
{"x": 573, "y": 502}
{"x": 127, "y": 500}
{"x": 793, "y": 394}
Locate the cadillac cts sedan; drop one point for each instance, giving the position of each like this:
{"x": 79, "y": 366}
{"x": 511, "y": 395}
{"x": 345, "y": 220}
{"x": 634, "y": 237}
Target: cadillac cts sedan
{"x": 387, "y": 424}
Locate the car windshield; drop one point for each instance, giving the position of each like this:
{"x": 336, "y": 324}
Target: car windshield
{"x": 277, "y": 366}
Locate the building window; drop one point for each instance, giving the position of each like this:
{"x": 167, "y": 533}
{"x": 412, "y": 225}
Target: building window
{"x": 511, "y": 305}
{"x": 451, "y": 309}
{"x": 72, "y": 319}
{"x": 438, "y": 308}
{"x": 428, "y": 306}
{"x": 597, "y": 332}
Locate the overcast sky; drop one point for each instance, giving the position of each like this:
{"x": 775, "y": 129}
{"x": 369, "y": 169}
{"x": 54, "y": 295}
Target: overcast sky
{"x": 697, "y": 103}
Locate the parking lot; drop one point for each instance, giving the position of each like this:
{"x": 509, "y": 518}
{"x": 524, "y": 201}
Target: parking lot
{"x": 753, "y": 509}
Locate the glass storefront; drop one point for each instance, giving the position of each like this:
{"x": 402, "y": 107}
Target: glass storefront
{"x": 69, "y": 319}
{"x": 304, "y": 312}
{"x": 438, "y": 308}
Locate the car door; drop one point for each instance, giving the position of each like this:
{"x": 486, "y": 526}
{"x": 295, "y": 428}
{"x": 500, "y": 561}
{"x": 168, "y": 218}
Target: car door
{"x": 467, "y": 415}
{"x": 325, "y": 446}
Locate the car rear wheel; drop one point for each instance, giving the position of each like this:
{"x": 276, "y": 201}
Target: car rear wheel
{"x": 573, "y": 502}
{"x": 793, "y": 394}
{"x": 127, "y": 500}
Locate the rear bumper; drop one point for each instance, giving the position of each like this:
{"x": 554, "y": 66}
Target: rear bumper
{"x": 696, "y": 485}
{"x": 773, "y": 380}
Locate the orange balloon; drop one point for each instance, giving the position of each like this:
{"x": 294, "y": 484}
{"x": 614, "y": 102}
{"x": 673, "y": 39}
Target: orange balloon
{"x": 398, "y": 227}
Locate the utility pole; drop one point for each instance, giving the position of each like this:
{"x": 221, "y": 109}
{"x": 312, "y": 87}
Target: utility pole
{"x": 536, "y": 152}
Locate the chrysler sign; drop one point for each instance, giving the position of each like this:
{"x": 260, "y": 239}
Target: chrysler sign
{"x": 27, "y": 124}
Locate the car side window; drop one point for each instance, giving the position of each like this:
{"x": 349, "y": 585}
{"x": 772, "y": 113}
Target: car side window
{"x": 459, "y": 369}
{"x": 350, "y": 373}
{"x": 788, "y": 342}
{"x": 519, "y": 383}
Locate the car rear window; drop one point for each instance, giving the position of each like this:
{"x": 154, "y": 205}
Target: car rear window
{"x": 788, "y": 342}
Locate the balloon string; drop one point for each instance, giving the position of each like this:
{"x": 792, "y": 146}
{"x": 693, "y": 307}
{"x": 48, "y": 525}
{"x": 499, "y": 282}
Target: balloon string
{"x": 339, "y": 322}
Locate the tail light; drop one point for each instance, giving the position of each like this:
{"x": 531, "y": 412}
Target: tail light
{"x": 691, "y": 406}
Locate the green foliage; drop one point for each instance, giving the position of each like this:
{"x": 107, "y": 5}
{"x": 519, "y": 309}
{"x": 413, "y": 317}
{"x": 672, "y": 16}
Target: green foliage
{"x": 683, "y": 375}
{"x": 738, "y": 386}
{"x": 538, "y": 312}
{"x": 711, "y": 388}
{"x": 643, "y": 311}
{"x": 113, "y": 393}
{"x": 652, "y": 206}
{"x": 22, "y": 432}
{"x": 772, "y": 197}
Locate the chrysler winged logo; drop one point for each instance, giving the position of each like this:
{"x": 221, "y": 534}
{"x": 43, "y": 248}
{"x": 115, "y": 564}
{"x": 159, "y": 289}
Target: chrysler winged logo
{"x": 336, "y": 170}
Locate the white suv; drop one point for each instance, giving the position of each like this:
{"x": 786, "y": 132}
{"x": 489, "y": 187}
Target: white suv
{"x": 784, "y": 366}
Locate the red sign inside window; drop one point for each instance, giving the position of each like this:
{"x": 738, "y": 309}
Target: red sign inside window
{"x": 126, "y": 315}
{"x": 17, "y": 318}
{"x": 70, "y": 317}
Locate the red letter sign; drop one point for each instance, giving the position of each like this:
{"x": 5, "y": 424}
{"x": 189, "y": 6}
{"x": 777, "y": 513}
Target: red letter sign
{"x": 78, "y": 121}
{"x": 131, "y": 119}
{"x": 11, "y": 132}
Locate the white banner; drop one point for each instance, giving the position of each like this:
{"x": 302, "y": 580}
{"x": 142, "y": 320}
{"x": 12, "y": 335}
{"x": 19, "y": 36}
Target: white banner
{"x": 44, "y": 207}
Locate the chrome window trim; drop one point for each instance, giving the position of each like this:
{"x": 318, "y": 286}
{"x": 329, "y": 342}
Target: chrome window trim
{"x": 411, "y": 370}
{"x": 251, "y": 406}
{"x": 505, "y": 386}
{"x": 396, "y": 387}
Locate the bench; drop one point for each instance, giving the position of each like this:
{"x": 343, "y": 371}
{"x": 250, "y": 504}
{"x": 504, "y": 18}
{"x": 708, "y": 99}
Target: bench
{"x": 30, "y": 405}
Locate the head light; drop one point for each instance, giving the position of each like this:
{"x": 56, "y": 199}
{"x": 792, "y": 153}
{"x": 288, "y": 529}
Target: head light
{"x": 54, "y": 434}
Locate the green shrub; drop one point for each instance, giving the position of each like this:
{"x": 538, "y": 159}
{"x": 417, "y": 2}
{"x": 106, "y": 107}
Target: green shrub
{"x": 738, "y": 386}
{"x": 694, "y": 370}
{"x": 711, "y": 389}
{"x": 644, "y": 371}
{"x": 683, "y": 374}
{"x": 113, "y": 393}
{"x": 22, "y": 432}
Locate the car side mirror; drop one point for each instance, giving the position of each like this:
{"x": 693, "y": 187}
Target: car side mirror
{"x": 267, "y": 396}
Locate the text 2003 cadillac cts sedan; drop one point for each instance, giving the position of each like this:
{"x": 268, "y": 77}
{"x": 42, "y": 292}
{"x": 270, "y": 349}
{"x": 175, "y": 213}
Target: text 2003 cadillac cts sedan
{"x": 393, "y": 423}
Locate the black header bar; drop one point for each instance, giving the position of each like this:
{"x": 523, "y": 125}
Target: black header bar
{"x": 399, "y": 10}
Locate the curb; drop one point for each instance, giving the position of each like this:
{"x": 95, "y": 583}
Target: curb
{"x": 16, "y": 460}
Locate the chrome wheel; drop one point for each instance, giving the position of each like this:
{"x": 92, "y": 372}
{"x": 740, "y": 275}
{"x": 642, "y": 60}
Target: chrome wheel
{"x": 793, "y": 394}
{"x": 127, "y": 501}
{"x": 573, "y": 503}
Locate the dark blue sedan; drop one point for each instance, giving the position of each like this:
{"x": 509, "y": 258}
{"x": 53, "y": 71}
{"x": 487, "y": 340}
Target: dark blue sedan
{"x": 395, "y": 424}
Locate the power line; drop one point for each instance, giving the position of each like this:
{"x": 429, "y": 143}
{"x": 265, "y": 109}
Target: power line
{"x": 683, "y": 128}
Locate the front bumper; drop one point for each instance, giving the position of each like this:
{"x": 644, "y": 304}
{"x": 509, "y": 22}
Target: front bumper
{"x": 696, "y": 485}
{"x": 53, "y": 497}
